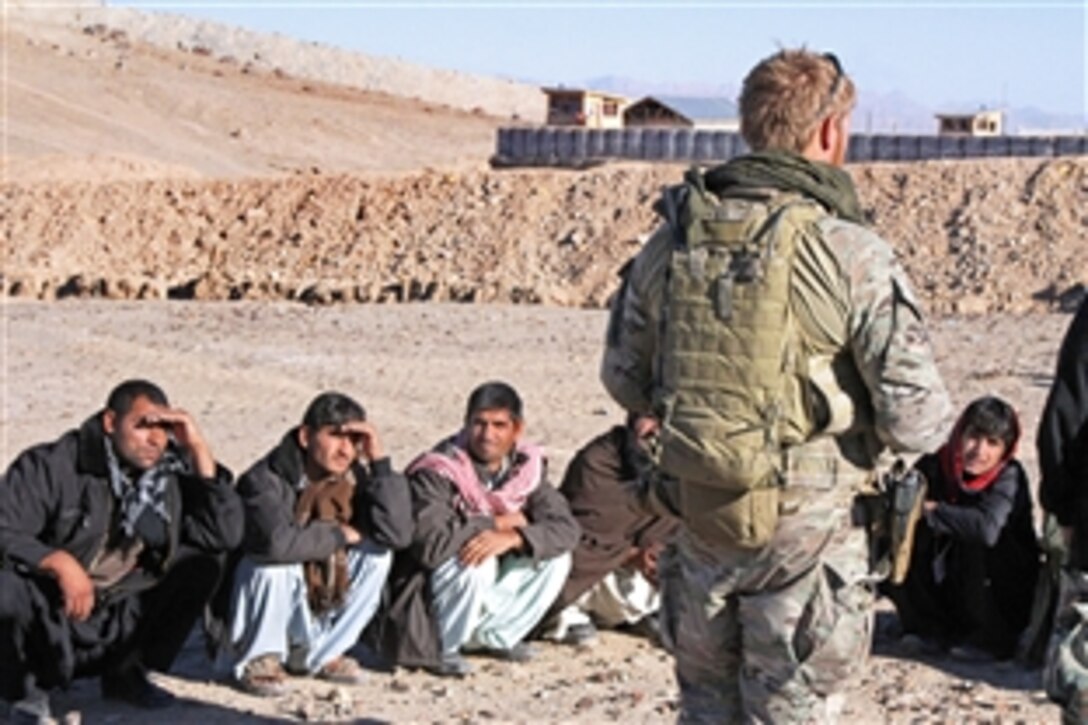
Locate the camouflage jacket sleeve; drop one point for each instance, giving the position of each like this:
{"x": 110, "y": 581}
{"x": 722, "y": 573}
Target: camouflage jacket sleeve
{"x": 630, "y": 355}
{"x": 889, "y": 342}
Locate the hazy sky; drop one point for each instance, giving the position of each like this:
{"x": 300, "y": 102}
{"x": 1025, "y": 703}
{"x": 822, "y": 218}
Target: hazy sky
{"x": 944, "y": 55}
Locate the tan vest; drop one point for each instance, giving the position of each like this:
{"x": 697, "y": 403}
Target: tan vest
{"x": 754, "y": 409}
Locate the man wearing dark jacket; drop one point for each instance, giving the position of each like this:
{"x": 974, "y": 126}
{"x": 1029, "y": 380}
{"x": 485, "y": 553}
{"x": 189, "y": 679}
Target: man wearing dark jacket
{"x": 319, "y": 528}
{"x": 112, "y": 539}
{"x": 491, "y": 547}
{"x": 1063, "y": 463}
{"x": 613, "y": 577}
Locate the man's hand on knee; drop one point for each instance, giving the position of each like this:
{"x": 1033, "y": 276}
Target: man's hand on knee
{"x": 487, "y": 544}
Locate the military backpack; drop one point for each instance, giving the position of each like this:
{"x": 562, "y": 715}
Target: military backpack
{"x": 732, "y": 390}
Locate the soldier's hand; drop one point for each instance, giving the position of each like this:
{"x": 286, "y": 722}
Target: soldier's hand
{"x": 367, "y": 442}
{"x": 487, "y": 544}
{"x": 76, "y": 587}
{"x": 188, "y": 437}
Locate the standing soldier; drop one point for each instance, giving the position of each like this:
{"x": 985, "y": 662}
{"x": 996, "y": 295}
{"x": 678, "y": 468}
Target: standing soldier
{"x": 776, "y": 340}
{"x": 1063, "y": 463}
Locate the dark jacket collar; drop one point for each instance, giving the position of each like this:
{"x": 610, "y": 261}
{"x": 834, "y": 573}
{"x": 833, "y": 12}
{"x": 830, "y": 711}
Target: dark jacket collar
{"x": 92, "y": 447}
{"x": 286, "y": 459}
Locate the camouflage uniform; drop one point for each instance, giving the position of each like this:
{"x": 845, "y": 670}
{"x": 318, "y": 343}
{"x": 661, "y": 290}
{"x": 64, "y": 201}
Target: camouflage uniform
{"x": 1065, "y": 675}
{"x": 767, "y": 634}
{"x": 1063, "y": 462}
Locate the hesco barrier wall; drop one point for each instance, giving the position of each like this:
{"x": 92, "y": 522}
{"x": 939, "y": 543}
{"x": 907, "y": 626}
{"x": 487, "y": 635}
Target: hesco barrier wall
{"x": 557, "y": 146}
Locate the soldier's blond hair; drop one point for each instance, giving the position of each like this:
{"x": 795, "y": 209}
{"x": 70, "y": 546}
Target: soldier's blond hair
{"x": 786, "y": 96}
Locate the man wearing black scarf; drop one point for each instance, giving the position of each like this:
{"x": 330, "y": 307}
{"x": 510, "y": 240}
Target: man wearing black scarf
{"x": 111, "y": 543}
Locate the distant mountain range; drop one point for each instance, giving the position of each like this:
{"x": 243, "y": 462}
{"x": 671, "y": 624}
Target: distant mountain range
{"x": 891, "y": 112}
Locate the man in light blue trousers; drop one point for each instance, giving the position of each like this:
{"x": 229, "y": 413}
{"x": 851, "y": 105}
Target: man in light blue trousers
{"x": 491, "y": 548}
{"x": 324, "y": 510}
{"x": 493, "y": 605}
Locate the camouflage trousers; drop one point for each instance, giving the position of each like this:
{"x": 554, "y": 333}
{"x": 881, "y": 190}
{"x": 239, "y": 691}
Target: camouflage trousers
{"x": 768, "y": 635}
{"x": 1065, "y": 675}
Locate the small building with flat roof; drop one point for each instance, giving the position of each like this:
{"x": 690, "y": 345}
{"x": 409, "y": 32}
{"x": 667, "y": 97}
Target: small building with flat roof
{"x": 980, "y": 123}
{"x": 584, "y": 108}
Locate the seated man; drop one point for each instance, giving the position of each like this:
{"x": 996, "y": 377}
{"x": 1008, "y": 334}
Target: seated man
{"x": 319, "y": 528}
{"x": 975, "y": 556}
{"x": 112, "y": 539}
{"x": 491, "y": 546}
{"x": 613, "y": 578}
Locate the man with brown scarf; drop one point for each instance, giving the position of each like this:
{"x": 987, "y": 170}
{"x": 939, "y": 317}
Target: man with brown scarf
{"x": 320, "y": 525}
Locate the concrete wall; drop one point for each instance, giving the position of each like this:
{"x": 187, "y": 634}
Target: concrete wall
{"x": 552, "y": 146}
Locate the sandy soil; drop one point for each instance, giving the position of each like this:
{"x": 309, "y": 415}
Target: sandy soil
{"x": 159, "y": 160}
{"x": 248, "y": 369}
{"x": 98, "y": 105}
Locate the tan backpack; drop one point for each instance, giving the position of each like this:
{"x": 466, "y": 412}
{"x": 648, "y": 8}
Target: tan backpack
{"x": 733, "y": 390}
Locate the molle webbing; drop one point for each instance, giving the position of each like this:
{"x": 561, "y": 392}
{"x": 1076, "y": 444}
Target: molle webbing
{"x": 733, "y": 389}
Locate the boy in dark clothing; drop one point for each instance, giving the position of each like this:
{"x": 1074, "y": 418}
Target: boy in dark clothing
{"x": 112, "y": 539}
{"x": 975, "y": 557}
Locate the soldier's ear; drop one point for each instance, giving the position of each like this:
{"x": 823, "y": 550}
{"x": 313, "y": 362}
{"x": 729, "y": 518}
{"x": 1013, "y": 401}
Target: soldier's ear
{"x": 109, "y": 421}
{"x": 303, "y": 437}
{"x": 827, "y": 132}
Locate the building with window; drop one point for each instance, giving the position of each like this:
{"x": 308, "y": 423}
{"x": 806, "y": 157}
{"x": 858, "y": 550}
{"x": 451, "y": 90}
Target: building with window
{"x": 979, "y": 123}
{"x": 585, "y": 108}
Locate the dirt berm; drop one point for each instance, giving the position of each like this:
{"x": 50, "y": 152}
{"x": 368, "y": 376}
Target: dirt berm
{"x": 976, "y": 237}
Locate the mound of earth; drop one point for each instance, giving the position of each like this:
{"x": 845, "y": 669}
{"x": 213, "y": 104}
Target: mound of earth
{"x": 80, "y": 96}
{"x": 975, "y": 236}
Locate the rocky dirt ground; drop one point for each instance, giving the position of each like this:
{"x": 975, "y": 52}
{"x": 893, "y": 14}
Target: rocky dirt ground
{"x": 247, "y": 369}
{"x": 134, "y": 173}
{"x": 976, "y": 237}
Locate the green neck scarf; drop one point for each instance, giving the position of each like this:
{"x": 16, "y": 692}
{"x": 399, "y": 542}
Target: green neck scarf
{"x": 787, "y": 171}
